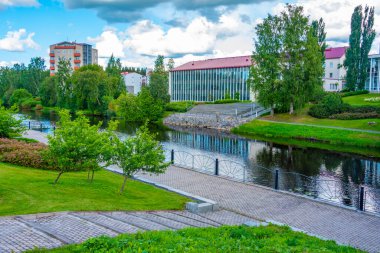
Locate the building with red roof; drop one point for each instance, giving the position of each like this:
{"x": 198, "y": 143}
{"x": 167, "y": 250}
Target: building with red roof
{"x": 210, "y": 80}
{"x": 335, "y": 73}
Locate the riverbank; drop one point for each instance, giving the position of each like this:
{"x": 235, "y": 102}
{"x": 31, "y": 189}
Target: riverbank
{"x": 342, "y": 140}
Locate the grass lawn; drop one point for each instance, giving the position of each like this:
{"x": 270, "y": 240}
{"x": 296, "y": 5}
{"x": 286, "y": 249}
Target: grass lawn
{"x": 309, "y": 136}
{"x": 359, "y": 100}
{"x": 25, "y": 191}
{"x": 224, "y": 239}
{"x": 301, "y": 116}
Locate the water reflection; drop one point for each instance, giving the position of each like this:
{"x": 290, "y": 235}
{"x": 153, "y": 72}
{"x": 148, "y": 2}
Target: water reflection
{"x": 317, "y": 173}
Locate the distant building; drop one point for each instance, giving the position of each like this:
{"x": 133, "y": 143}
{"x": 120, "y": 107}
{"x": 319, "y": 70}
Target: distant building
{"x": 79, "y": 54}
{"x": 210, "y": 80}
{"x": 133, "y": 82}
{"x": 373, "y": 81}
{"x": 335, "y": 73}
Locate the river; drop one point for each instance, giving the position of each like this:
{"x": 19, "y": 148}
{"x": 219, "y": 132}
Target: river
{"x": 317, "y": 173}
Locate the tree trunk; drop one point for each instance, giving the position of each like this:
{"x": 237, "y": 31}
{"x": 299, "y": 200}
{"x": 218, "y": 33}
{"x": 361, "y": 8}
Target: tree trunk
{"x": 88, "y": 175}
{"x": 59, "y": 175}
{"x": 92, "y": 176}
{"x": 291, "y": 111}
{"x": 122, "y": 187}
{"x": 272, "y": 111}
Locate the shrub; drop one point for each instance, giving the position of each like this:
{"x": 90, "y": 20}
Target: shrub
{"x": 226, "y": 101}
{"x": 353, "y": 93}
{"x": 182, "y": 106}
{"x": 319, "y": 111}
{"x": 351, "y": 115}
{"x": 331, "y": 104}
{"x": 9, "y": 125}
{"x": 22, "y": 153}
{"x": 364, "y": 109}
{"x": 30, "y": 103}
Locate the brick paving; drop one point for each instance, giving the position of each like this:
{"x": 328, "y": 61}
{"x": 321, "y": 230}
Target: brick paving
{"x": 51, "y": 230}
{"x": 349, "y": 227}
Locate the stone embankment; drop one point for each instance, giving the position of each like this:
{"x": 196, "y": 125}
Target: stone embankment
{"x": 213, "y": 121}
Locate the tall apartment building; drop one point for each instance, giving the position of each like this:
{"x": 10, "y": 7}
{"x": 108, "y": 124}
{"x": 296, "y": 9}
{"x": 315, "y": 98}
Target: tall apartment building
{"x": 335, "y": 73}
{"x": 79, "y": 54}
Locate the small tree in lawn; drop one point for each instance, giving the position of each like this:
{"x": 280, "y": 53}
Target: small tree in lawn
{"x": 139, "y": 153}
{"x": 77, "y": 145}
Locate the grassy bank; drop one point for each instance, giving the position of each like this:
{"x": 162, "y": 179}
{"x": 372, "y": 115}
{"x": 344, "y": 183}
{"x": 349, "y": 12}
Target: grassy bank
{"x": 223, "y": 239}
{"x": 25, "y": 190}
{"x": 359, "y": 100}
{"x": 310, "y": 136}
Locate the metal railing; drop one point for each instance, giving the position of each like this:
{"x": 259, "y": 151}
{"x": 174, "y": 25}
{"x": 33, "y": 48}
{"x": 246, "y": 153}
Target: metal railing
{"x": 37, "y": 125}
{"x": 330, "y": 190}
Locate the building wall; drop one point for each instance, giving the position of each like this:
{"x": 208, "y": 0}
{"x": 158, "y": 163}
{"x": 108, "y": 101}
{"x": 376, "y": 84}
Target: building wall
{"x": 373, "y": 81}
{"x": 133, "y": 82}
{"x": 209, "y": 84}
{"x": 334, "y": 78}
{"x": 78, "y": 55}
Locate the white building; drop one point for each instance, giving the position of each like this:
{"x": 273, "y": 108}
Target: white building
{"x": 133, "y": 82}
{"x": 373, "y": 82}
{"x": 335, "y": 73}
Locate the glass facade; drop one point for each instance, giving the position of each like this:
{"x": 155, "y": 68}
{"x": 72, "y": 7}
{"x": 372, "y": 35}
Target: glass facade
{"x": 372, "y": 83}
{"x": 205, "y": 85}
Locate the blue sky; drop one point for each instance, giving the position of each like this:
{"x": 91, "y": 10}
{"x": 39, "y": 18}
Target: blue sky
{"x": 138, "y": 30}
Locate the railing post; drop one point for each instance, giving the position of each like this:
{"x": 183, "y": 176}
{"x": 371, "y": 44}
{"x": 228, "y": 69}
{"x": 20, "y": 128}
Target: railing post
{"x": 216, "y": 167}
{"x": 172, "y": 156}
{"x": 29, "y": 125}
{"x": 276, "y": 180}
{"x": 41, "y": 127}
{"x": 54, "y": 130}
{"x": 361, "y": 198}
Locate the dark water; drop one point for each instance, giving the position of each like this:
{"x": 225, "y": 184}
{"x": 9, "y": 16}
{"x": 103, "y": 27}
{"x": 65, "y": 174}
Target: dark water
{"x": 318, "y": 173}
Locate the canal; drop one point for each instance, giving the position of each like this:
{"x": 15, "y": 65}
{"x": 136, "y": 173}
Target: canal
{"x": 321, "y": 174}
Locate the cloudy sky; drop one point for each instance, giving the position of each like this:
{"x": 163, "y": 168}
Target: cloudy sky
{"x": 138, "y": 30}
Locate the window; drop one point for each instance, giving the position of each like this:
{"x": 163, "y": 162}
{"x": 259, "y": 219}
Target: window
{"x": 331, "y": 64}
{"x": 331, "y": 75}
{"x": 333, "y": 86}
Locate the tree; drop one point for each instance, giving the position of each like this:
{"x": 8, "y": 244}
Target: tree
{"x": 126, "y": 106}
{"x": 49, "y": 91}
{"x": 10, "y": 126}
{"x": 295, "y": 29}
{"x": 19, "y": 96}
{"x": 36, "y": 73}
{"x": 65, "y": 87}
{"x": 171, "y": 64}
{"x": 77, "y": 146}
{"x": 139, "y": 153}
{"x": 352, "y": 60}
{"x": 115, "y": 80}
{"x": 149, "y": 108}
{"x": 368, "y": 36}
{"x": 318, "y": 30}
{"x": 266, "y": 71}
{"x": 159, "y": 81}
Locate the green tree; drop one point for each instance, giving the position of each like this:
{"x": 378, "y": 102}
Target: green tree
{"x": 77, "y": 146}
{"x": 171, "y": 64}
{"x": 140, "y": 153}
{"x": 318, "y": 30}
{"x": 159, "y": 81}
{"x": 36, "y": 74}
{"x": 126, "y": 106}
{"x": 49, "y": 91}
{"x": 351, "y": 63}
{"x": 10, "y": 126}
{"x": 149, "y": 108}
{"x": 115, "y": 80}
{"x": 265, "y": 73}
{"x": 19, "y": 96}
{"x": 368, "y": 36}
{"x": 295, "y": 29}
{"x": 65, "y": 87}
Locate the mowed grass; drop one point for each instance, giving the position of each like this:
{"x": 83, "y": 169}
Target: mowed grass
{"x": 227, "y": 239}
{"x": 359, "y": 100}
{"x": 369, "y": 143}
{"x": 302, "y": 117}
{"x": 25, "y": 191}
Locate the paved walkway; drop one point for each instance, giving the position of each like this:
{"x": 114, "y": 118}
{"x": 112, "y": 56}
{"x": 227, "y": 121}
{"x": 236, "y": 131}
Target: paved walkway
{"x": 343, "y": 225}
{"x": 36, "y": 135}
{"x": 20, "y": 233}
{"x": 321, "y": 126}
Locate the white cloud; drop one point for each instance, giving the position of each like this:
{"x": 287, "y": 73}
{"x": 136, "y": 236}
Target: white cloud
{"x": 7, "y": 63}
{"x": 108, "y": 43}
{"x": 16, "y": 3}
{"x": 18, "y": 40}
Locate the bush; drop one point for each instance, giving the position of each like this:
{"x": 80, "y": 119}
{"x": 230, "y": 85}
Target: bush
{"x": 23, "y": 153}
{"x": 331, "y": 104}
{"x": 9, "y": 125}
{"x": 182, "y": 106}
{"x": 351, "y": 115}
{"x": 226, "y": 101}
{"x": 363, "y": 109}
{"x": 353, "y": 93}
{"x": 319, "y": 111}
{"x": 30, "y": 103}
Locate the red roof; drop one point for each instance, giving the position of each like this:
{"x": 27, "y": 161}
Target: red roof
{"x": 218, "y": 63}
{"x": 335, "y": 52}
